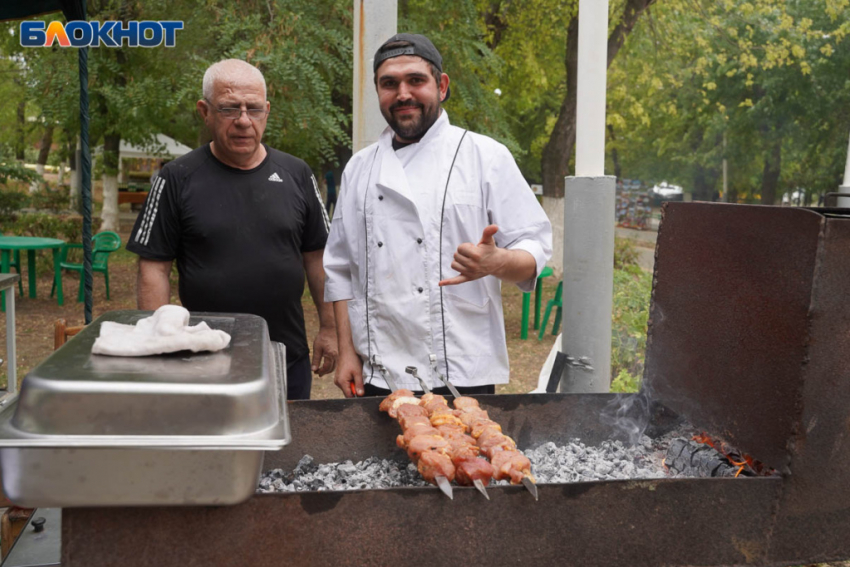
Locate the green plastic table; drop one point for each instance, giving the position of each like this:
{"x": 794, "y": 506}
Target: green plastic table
{"x": 8, "y": 244}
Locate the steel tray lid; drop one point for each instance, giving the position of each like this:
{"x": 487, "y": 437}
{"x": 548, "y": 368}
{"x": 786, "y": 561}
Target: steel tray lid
{"x": 229, "y": 393}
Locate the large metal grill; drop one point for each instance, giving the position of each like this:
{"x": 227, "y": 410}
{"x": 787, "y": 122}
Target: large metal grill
{"x": 749, "y": 339}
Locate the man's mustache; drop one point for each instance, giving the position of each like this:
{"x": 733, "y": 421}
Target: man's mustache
{"x": 406, "y": 104}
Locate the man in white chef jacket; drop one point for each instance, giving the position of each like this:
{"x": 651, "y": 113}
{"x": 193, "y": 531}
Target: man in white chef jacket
{"x": 430, "y": 221}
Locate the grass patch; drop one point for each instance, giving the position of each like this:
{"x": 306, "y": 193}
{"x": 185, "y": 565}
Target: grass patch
{"x": 629, "y": 317}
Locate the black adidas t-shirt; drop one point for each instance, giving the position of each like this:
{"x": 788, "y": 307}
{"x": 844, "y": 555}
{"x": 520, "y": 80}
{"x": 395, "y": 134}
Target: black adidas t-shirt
{"x": 237, "y": 236}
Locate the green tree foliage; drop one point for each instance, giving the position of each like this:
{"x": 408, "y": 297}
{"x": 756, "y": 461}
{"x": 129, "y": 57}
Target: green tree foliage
{"x": 304, "y": 50}
{"x": 770, "y": 75}
{"x": 530, "y": 38}
{"x": 459, "y": 33}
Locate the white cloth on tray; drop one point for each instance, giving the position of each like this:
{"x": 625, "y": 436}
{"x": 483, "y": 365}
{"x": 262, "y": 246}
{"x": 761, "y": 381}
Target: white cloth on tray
{"x": 167, "y": 330}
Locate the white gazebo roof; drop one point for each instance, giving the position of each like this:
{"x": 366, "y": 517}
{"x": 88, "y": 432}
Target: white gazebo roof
{"x": 172, "y": 148}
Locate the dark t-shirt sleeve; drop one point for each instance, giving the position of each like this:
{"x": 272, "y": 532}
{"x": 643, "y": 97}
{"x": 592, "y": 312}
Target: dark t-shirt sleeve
{"x": 316, "y": 226}
{"x": 156, "y": 234}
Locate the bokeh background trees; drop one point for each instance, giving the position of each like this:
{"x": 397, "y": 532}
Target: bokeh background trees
{"x": 763, "y": 83}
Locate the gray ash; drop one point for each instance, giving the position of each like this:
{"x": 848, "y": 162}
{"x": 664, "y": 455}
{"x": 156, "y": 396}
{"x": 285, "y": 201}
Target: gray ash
{"x": 550, "y": 463}
{"x": 369, "y": 474}
{"x": 610, "y": 460}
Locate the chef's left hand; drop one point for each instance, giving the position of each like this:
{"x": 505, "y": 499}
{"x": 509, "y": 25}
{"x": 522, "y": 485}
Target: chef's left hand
{"x": 325, "y": 351}
{"x": 475, "y": 261}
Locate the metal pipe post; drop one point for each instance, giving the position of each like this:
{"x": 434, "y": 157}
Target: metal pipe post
{"x": 375, "y": 21}
{"x": 588, "y": 281}
{"x": 11, "y": 358}
{"x": 589, "y": 217}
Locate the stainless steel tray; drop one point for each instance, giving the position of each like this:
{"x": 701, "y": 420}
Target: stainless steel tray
{"x": 216, "y": 415}
{"x": 231, "y": 392}
{"x": 67, "y": 478}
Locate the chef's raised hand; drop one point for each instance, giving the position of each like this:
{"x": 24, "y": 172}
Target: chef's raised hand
{"x": 474, "y": 261}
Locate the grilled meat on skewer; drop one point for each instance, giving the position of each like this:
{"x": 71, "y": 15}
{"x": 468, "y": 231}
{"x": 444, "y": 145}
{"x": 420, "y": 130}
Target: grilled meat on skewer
{"x": 466, "y": 404}
{"x": 387, "y": 402}
{"x": 403, "y": 440}
{"x": 471, "y": 470}
{"x": 434, "y": 463}
{"x": 422, "y": 443}
{"x": 511, "y": 465}
{"x": 506, "y": 460}
{"x": 438, "y": 419}
{"x": 398, "y": 403}
{"x": 451, "y": 454}
{"x": 408, "y": 410}
{"x": 408, "y": 421}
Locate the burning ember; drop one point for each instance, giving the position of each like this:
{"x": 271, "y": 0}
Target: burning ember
{"x": 747, "y": 464}
{"x": 704, "y": 456}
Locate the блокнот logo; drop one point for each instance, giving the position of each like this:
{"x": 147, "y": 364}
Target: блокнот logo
{"x": 80, "y": 33}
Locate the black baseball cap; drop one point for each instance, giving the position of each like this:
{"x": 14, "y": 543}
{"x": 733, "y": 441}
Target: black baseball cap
{"x": 418, "y": 45}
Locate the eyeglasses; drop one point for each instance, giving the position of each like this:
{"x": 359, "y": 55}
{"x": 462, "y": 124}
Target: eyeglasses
{"x": 255, "y": 114}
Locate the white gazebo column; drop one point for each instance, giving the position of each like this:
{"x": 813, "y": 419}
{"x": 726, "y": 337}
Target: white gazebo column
{"x": 589, "y": 217}
{"x": 375, "y": 21}
{"x": 845, "y": 187}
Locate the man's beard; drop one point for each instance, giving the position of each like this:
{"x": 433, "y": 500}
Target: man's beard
{"x": 412, "y": 129}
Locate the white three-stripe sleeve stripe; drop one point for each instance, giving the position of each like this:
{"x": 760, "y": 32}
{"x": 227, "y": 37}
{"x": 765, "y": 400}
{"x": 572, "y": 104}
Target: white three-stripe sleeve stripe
{"x": 144, "y": 233}
{"x": 147, "y": 215}
{"x": 150, "y": 211}
{"x": 321, "y": 205}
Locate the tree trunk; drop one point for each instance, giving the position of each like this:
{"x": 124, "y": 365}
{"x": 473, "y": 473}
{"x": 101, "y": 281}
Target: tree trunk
{"x": 20, "y": 138}
{"x": 705, "y": 180}
{"x": 109, "y": 213}
{"x": 772, "y": 169}
{"x": 43, "y": 154}
{"x": 618, "y": 171}
{"x": 74, "y": 174}
{"x": 559, "y": 149}
{"x": 46, "y": 142}
{"x": 495, "y": 24}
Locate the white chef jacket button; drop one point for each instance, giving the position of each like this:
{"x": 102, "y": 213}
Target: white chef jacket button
{"x": 380, "y": 244}
{"x": 418, "y": 241}
{"x": 421, "y": 290}
{"x": 380, "y": 197}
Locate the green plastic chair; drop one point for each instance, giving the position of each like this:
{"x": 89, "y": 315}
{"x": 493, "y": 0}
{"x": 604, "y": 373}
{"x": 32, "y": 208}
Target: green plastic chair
{"x": 16, "y": 263}
{"x": 556, "y": 302}
{"x": 103, "y": 244}
{"x": 526, "y": 302}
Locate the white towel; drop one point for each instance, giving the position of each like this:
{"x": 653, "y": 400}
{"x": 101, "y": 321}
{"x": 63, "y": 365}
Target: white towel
{"x": 167, "y": 330}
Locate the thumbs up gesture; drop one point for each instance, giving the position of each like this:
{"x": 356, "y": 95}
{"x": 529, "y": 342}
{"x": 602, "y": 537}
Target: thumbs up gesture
{"x": 474, "y": 261}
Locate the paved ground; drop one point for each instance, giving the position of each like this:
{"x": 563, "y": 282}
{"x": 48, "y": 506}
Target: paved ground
{"x": 644, "y": 243}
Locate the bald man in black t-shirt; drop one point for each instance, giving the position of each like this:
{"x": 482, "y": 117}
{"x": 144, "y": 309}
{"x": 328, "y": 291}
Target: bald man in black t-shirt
{"x": 244, "y": 222}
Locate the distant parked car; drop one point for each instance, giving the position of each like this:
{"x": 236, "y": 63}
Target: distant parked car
{"x": 795, "y": 198}
{"x": 666, "y": 192}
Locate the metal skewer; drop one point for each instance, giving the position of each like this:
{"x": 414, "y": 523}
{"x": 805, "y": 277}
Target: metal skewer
{"x": 480, "y": 486}
{"x": 376, "y": 363}
{"x": 445, "y": 486}
{"x": 443, "y": 379}
{"x": 528, "y": 483}
{"x": 412, "y": 370}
